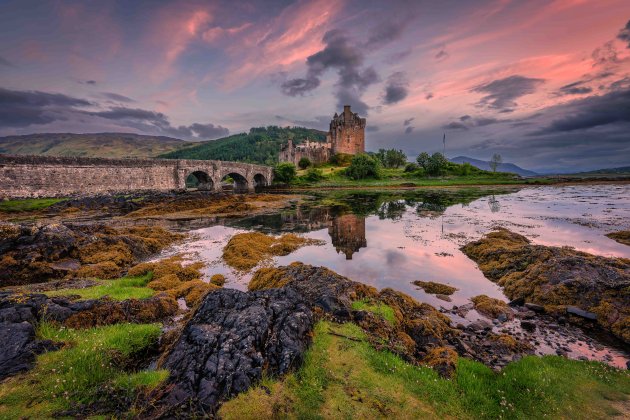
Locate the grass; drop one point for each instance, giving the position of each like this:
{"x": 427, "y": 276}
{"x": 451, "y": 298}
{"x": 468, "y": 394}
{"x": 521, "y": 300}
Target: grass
{"x": 384, "y": 311}
{"x": 31, "y": 204}
{"x": 90, "y": 363}
{"x": 343, "y": 378}
{"x": 119, "y": 289}
{"x": 334, "y": 177}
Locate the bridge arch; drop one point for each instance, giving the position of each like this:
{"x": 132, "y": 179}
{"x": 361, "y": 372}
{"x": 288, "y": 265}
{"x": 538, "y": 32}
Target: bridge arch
{"x": 235, "y": 181}
{"x": 199, "y": 180}
{"x": 260, "y": 180}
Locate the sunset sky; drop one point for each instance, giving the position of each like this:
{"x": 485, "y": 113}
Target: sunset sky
{"x": 544, "y": 83}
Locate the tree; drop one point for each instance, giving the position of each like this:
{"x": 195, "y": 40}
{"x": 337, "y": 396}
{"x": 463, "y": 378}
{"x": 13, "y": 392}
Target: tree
{"x": 314, "y": 175}
{"x": 411, "y": 167}
{"x": 495, "y": 161}
{"x": 423, "y": 160}
{"x": 304, "y": 163}
{"x": 395, "y": 158}
{"x": 364, "y": 166}
{"x": 284, "y": 172}
{"x": 437, "y": 164}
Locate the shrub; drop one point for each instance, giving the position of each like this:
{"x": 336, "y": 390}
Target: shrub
{"x": 364, "y": 166}
{"x": 284, "y": 172}
{"x": 314, "y": 175}
{"x": 304, "y": 163}
{"x": 437, "y": 164}
{"x": 341, "y": 159}
{"x": 465, "y": 169}
{"x": 411, "y": 167}
{"x": 423, "y": 160}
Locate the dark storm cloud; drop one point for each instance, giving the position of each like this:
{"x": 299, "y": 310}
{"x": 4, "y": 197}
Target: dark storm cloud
{"x": 25, "y": 108}
{"x": 409, "y": 130}
{"x": 209, "y": 131}
{"x": 116, "y": 97}
{"x": 5, "y": 62}
{"x": 624, "y": 34}
{"x": 347, "y": 59}
{"x": 501, "y": 93}
{"x": 396, "y": 88}
{"x": 466, "y": 122}
{"x": 575, "y": 88}
{"x": 408, "y": 121}
{"x": 151, "y": 121}
{"x": 455, "y": 126}
{"x": 590, "y": 112}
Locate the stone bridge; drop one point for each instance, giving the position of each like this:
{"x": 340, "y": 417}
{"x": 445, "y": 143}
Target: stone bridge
{"x": 46, "y": 176}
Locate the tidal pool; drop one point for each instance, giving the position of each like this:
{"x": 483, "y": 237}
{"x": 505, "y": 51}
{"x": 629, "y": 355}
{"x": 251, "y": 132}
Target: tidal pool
{"x": 392, "y": 238}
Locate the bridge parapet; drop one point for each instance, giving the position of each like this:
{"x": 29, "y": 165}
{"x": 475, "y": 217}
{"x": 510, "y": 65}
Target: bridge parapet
{"x": 48, "y": 176}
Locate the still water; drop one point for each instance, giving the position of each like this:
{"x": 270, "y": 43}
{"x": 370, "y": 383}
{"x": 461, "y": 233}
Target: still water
{"x": 392, "y": 238}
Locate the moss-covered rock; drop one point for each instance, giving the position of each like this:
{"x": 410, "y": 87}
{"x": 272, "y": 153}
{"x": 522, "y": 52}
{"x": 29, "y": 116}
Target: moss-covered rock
{"x": 557, "y": 277}
{"x": 436, "y": 288}
{"x": 245, "y": 251}
{"x": 491, "y": 307}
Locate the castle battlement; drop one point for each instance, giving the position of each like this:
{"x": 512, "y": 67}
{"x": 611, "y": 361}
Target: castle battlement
{"x": 346, "y": 135}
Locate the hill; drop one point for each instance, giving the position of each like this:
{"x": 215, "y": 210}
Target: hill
{"x": 503, "y": 167}
{"x": 620, "y": 170}
{"x": 114, "y": 145}
{"x": 260, "y": 145}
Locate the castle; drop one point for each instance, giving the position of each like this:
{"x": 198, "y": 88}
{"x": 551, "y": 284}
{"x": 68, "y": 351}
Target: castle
{"x": 346, "y": 135}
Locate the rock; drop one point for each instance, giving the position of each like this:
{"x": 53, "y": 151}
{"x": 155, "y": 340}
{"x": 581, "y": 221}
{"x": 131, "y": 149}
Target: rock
{"x": 517, "y": 302}
{"x": 628, "y": 364}
{"x": 574, "y": 310}
{"x": 557, "y": 277}
{"x": 443, "y": 297}
{"x": 19, "y": 347}
{"x": 528, "y": 325}
{"x": 231, "y": 339}
{"x": 534, "y": 307}
{"x": 502, "y": 317}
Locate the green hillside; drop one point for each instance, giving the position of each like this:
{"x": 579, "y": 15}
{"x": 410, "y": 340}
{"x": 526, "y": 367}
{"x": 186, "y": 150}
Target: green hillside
{"x": 114, "y": 145}
{"x": 260, "y": 145}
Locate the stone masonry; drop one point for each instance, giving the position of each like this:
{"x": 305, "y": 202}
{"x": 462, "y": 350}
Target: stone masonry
{"x": 45, "y": 176}
{"x": 346, "y": 135}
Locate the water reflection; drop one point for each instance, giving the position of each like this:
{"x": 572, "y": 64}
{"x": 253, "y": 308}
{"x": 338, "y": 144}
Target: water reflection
{"x": 347, "y": 234}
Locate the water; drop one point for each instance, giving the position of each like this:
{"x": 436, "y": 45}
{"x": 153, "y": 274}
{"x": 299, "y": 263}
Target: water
{"x": 392, "y": 238}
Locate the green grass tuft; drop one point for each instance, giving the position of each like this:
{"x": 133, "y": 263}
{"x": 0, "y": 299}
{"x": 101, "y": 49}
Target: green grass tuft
{"x": 90, "y": 361}
{"x": 343, "y": 378}
{"x": 31, "y": 204}
{"x": 384, "y": 311}
{"x": 119, "y": 289}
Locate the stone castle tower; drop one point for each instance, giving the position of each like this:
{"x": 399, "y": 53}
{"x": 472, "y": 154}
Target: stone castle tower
{"x": 347, "y": 133}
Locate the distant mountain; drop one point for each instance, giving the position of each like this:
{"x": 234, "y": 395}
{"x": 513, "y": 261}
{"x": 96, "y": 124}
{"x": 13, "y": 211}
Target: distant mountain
{"x": 260, "y": 145}
{"x": 503, "y": 167}
{"x": 114, "y": 145}
{"x": 620, "y": 170}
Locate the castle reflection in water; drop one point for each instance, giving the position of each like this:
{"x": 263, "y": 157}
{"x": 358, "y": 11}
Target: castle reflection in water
{"x": 346, "y": 230}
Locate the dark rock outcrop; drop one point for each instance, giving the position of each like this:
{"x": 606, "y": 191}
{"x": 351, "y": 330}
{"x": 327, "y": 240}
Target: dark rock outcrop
{"x": 232, "y": 338}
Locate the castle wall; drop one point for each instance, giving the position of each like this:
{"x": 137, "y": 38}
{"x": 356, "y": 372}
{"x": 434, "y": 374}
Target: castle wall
{"x": 45, "y": 176}
{"x": 293, "y": 154}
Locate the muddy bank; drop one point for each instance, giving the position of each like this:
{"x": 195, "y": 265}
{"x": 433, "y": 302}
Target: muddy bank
{"x": 234, "y": 337}
{"x": 37, "y": 254}
{"x": 169, "y": 206}
{"x": 583, "y": 288}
